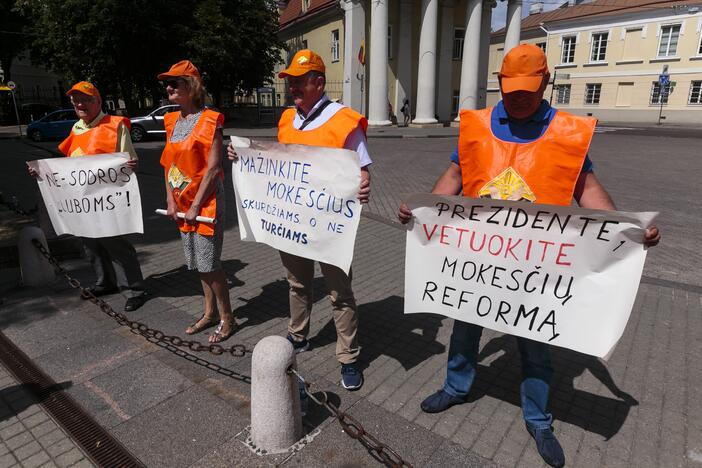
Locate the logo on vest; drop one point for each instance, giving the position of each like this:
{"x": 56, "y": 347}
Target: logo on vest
{"x": 509, "y": 185}
{"x": 177, "y": 180}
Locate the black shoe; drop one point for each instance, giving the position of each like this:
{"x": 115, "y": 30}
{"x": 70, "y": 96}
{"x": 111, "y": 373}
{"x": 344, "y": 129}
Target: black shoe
{"x": 298, "y": 346}
{"x": 548, "y": 446}
{"x": 440, "y": 401}
{"x": 133, "y": 303}
{"x": 98, "y": 291}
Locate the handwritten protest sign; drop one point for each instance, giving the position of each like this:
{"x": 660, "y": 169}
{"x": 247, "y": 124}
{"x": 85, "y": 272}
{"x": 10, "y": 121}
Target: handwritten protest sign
{"x": 560, "y": 275}
{"x": 90, "y": 196}
{"x": 299, "y": 199}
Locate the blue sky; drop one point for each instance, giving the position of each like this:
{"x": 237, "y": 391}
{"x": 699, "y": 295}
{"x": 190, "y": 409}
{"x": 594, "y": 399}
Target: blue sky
{"x": 500, "y": 11}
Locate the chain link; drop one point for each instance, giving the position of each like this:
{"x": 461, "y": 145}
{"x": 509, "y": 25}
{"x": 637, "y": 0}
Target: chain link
{"x": 237, "y": 350}
{"x": 354, "y": 428}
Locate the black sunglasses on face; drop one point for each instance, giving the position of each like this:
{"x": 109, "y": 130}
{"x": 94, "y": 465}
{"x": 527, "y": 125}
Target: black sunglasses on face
{"x": 172, "y": 83}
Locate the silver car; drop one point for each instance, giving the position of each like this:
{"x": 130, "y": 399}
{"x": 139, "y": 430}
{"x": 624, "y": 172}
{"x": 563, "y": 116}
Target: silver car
{"x": 151, "y": 124}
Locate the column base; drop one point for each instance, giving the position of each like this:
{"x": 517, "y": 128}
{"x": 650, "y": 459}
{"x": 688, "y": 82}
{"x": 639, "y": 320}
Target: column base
{"x": 379, "y": 123}
{"x": 421, "y": 120}
{"x": 455, "y": 123}
{"x": 433, "y": 124}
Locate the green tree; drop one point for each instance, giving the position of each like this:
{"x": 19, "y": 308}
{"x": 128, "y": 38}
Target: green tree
{"x": 13, "y": 39}
{"x": 121, "y": 45}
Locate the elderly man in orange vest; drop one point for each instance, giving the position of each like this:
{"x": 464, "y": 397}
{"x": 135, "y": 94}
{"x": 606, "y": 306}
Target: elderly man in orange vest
{"x": 114, "y": 259}
{"x": 521, "y": 149}
{"x": 317, "y": 121}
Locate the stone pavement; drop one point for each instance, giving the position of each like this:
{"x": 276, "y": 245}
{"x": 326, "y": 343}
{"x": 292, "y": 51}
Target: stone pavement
{"x": 641, "y": 408}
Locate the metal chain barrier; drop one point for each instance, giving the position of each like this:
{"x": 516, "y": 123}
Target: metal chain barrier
{"x": 173, "y": 344}
{"x": 153, "y": 335}
{"x": 381, "y": 451}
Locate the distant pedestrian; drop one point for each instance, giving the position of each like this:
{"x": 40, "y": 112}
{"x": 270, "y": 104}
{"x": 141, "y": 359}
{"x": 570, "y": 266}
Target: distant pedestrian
{"x": 113, "y": 259}
{"x": 317, "y": 121}
{"x": 406, "y": 111}
{"x": 521, "y": 139}
{"x": 192, "y": 161}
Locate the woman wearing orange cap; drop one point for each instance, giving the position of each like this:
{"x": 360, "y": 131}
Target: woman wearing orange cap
{"x": 192, "y": 160}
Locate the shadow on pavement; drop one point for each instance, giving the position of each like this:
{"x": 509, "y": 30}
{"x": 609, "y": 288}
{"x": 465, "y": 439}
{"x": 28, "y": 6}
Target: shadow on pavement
{"x": 21, "y": 396}
{"x": 595, "y": 413}
{"x": 180, "y": 282}
{"x": 384, "y": 330}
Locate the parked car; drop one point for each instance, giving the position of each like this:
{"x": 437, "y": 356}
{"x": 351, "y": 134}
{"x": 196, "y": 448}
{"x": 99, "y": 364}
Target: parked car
{"x": 31, "y": 111}
{"x": 56, "y": 125}
{"x": 151, "y": 124}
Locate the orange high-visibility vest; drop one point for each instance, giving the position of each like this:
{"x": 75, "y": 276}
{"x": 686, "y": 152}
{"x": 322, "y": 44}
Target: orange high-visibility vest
{"x": 98, "y": 140}
{"x": 542, "y": 171}
{"x": 332, "y": 134}
{"x": 185, "y": 164}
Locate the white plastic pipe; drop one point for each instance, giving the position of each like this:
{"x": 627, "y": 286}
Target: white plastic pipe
{"x": 181, "y": 215}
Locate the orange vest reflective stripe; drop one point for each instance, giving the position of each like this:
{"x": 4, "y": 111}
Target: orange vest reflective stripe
{"x": 98, "y": 140}
{"x": 332, "y": 134}
{"x": 185, "y": 164}
{"x": 541, "y": 171}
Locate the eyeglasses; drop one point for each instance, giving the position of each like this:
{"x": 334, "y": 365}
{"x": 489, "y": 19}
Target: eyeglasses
{"x": 172, "y": 83}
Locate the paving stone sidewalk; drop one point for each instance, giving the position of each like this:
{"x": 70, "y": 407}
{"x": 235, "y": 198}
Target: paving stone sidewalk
{"x": 641, "y": 408}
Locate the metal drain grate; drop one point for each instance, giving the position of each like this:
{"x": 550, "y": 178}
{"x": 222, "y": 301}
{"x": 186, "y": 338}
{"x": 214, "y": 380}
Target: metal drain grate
{"x": 96, "y": 442}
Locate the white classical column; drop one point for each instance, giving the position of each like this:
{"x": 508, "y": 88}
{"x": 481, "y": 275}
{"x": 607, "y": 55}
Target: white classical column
{"x": 471, "y": 51}
{"x": 378, "y": 64}
{"x": 444, "y": 88}
{"x": 403, "y": 82}
{"x": 354, "y": 31}
{"x": 514, "y": 24}
{"x": 426, "y": 69}
{"x": 484, "y": 54}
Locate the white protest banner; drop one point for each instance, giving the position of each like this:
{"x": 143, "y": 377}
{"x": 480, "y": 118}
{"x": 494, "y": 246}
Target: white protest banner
{"x": 90, "y": 196}
{"x": 561, "y": 275}
{"x": 299, "y": 199}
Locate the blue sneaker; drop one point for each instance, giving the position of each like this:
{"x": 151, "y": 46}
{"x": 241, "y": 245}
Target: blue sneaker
{"x": 298, "y": 346}
{"x": 440, "y": 401}
{"x": 548, "y": 446}
{"x": 351, "y": 377}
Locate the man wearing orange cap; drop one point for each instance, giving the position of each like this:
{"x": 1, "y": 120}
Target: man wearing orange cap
{"x": 317, "y": 121}
{"x": 114, "y": 259}
{"x": 522, "y": 149}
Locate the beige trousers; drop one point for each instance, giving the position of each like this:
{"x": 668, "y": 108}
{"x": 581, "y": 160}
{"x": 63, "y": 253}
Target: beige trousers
{"x": 300, "y": 272}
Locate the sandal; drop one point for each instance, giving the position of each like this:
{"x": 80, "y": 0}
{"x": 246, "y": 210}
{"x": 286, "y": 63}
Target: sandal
{"x": 218, "y": 336}
{"x": 203, "y": 323}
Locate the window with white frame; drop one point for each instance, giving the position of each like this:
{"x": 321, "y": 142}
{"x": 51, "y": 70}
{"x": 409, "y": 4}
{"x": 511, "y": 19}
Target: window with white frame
{"x": 459, "y": 35}
{"x": 659, "y": 95}
{"x": 455, "y": 98}
{"x": 568, "y": 49}
{"x": 335, "y": 45}
{"x": 668, "y": 45}
{"x": 592, "y": 93}
{"x": 563, "y": 94}
{"x": 695, "y": 93}
{"x": 699, "y": 49}
{"x": 389, "y": 41}
{"x": 599, "y": 46}
{"x": 305, "y": 5}
{"x": 541, "y": 45}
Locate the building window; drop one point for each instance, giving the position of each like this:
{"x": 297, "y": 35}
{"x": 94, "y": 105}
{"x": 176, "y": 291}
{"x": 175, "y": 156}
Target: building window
{"x": 599, "y": 47}
{"x": 459, "y": 35}
{"x": 699, "y": 49}
{"x": 455, "y": 99}
{"x": 668, "y": 44}
{"x": 563, "y": 94}
{"x": 592, "y": 93}
{"x": 305, "y": 5}
{"x": 541, "y": 45}
{"x": 695, "y": 93}
{"x": 389, "y": 41}
{"x": 304, "y": 43}
{"x": 660, "y": 95}
{"x": 568, "y": 52}
{"x": 335, "y": 45}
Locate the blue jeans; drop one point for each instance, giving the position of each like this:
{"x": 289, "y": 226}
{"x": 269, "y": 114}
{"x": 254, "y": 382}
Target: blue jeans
{"x": 536, "y": 371}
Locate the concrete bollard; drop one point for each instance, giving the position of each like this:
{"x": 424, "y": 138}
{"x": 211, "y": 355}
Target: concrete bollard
{"x": 36, "y": 269}
{"x": 276, "y": 423}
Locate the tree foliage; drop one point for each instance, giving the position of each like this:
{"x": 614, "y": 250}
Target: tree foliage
{"x": 12, "y": 35}
{"x": 121, "y": 45}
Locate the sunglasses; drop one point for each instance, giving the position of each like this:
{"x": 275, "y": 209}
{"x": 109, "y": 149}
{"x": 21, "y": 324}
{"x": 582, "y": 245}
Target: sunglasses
{"x": 172, "y": 83}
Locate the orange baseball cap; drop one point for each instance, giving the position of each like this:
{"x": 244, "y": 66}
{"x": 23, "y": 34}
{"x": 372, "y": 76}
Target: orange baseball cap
{"x": 523, "y": 69}
{"x": 304, "y": 61}
{"x": 85, "y": 88}
{"x": 182, "y": 68}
